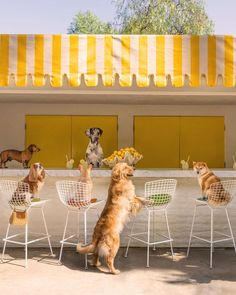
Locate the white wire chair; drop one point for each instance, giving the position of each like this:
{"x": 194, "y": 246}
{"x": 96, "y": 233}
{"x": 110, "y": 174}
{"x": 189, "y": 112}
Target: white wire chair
{"x": 76, "y": 196}
{"x": 218, "y": 196}
{"x": 159, "y": 194}
{"x": 20, "y": 200}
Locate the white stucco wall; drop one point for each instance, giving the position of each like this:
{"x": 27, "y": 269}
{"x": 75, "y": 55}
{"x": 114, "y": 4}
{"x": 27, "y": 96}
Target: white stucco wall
{"x": 12, "y": 119}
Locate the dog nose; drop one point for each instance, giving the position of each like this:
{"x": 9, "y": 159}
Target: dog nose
{"x": 197, "y": 172}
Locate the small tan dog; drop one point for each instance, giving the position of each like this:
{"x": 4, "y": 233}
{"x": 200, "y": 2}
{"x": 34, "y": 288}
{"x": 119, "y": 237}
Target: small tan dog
{"x": 205, "y": 179}
{"x": 20, "y": 156}
{"x": 85, "y": 173}
{"x": 121, "y": 202}
{"x": 35, "y": 178}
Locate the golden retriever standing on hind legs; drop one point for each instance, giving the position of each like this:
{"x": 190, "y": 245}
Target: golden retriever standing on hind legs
{"x": 121, "y": 202}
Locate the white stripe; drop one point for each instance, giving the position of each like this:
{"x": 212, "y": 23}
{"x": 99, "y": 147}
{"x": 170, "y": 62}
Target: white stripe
{"x": 100, "y": 54}
{"x": 13, "y": 45}
{"x": 65, "y": 54}
{"x": 82, "y": 54}
{"x": 134, "y": 50}
{"x": 151, "y": 55}
{"x": 169, "y": 57}
{"x": 117, "y": 54}
{"x": 48, "y": 54}
{"x": 186, "y": 56}
{"x": 204, "y": 55}
{"x": 30, "y": 54}
{"x": 220, "y": 57}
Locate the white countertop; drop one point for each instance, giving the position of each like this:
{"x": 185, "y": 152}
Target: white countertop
{"x": 107, "y": 172}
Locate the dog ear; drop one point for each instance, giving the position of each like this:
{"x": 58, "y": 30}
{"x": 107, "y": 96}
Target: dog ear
{"x": 117, "y": 173}
{"x": 194, "y": 163}
{"x": 43, "y": 174}
{"x": 100, "y": 131}
{"x": 33, "y": 174}
{"x": 88, "y": 132}
{"x": 30, "y": 148}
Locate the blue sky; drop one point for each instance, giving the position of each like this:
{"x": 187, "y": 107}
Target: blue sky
{"x": 54, "y": 16}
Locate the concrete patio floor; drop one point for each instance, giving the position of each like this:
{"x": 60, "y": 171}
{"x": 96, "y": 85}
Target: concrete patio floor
{"x": 182, "y": 276}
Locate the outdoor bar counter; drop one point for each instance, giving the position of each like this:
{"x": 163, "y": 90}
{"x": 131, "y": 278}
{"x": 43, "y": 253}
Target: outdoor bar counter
{"x": 180, "y": 211}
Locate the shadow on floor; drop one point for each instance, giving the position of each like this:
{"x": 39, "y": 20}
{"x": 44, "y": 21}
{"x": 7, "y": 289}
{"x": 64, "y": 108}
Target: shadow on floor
{"x": 192, "y": 270}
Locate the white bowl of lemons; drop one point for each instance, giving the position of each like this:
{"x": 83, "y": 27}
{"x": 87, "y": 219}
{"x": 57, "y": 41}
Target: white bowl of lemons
{"x": 125, "y": 155}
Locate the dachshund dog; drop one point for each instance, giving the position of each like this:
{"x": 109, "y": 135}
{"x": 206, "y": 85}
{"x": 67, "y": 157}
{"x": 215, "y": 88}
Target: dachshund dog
{"x": 20, "y": 156}
{"x": 121, "y": 203}
{"x": 35, "y": 178}
{"x": 94, "y": 152}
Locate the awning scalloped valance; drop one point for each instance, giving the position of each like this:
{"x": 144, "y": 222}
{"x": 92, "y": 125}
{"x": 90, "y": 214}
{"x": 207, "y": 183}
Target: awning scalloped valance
{"x": 142, "y": 56}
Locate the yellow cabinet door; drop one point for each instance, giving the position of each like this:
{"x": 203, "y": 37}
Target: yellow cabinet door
{"x": 108, "y": 140}
{"x": 203, "y": 139}
{"x": 157, "y": 139}
{"x": 52, "y": 134}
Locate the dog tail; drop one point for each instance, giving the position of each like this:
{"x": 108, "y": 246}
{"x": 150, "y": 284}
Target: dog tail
{"x": 85, "y": 249}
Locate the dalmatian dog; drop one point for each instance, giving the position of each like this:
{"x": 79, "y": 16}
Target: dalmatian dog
{"x": 94, "y": 152}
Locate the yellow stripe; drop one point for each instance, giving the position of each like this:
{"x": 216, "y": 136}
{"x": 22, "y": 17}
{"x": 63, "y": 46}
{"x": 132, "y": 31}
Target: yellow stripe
{"x": 108, "y": 65}
{"x": 74, "y": 61}
{"x": 125, "y": 79}
{"x": 4, "y": 60}
{"x": 178, "y": 78}
{"x": 39, "y": 61}
{"x": 56, "y": 80}
{"x": 91, "y": 77}
{"x": 142, "y": 79}
{"x": 195, "y": 63}
{"x": 21, "y": 79}
{"x": 229, "y": 79}
{"x": 211, "y": 60}
{"x": 160, "y": 79}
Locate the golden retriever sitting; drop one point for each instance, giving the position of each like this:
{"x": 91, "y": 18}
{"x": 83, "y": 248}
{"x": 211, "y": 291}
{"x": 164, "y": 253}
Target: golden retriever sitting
{"x": 121, "y": 202}
{"x": 35, "y": 178}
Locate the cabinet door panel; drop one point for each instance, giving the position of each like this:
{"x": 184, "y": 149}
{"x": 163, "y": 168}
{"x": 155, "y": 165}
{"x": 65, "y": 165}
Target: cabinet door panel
{"x": 157, "y": 138}
{"x": 53, "y": 136}
{"x": 203, "y": 139}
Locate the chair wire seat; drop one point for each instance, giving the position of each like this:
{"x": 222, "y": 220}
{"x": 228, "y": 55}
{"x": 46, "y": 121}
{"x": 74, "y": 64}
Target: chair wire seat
{"x": 159, "y": 194}
{"x": 20, "y": 199}
{"x": 218, "y": 197}
{"x": 76, "y": 196}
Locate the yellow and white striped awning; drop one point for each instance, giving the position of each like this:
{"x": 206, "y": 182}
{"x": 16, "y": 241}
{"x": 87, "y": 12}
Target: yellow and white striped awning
{"x": 142, "y": 56}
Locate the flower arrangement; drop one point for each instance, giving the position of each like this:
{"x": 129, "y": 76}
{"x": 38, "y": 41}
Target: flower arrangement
{"x": 126, "y": 155}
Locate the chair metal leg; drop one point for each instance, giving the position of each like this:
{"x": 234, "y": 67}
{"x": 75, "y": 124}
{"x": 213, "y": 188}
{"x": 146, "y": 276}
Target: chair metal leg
{"x": 168, "y": 228}
{"x": 230, "y": 228}
{"x": 98, "y": 213}
{"x": 154, "y": 230}
{"x": 211, "y": 249}
{"x": 148, "y": 241}
{"x": 64, "y": 234}
{"x": 5, "y": 242}
{"x": 132, "y": 227}
{"x": 191, "y": 232}
{"x": 78, "y": 226}
{"x": 85, "y": 238}
{"x": 46, "y": 230}
{"x": 26, "y": 245}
